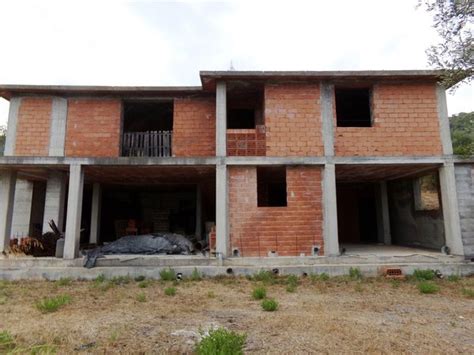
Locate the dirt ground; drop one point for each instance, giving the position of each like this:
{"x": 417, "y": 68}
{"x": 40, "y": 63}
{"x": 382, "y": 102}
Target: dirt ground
{"x": 337, "y": 315}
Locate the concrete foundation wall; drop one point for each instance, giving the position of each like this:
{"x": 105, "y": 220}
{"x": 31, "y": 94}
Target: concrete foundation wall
{"x": 465, "y": 191}
{"x": 410, "y": 227}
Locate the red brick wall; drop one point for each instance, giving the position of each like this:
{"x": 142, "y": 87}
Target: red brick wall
{"x": 93, "y": 128}
{"x": 246, "y": 142}
{"x": 293, "y": 120}
{"x": 287, "y": 230}
{"x": 33, "y": 127}
{"x": 194, "y": 127}
{"x": 405, "y": 122}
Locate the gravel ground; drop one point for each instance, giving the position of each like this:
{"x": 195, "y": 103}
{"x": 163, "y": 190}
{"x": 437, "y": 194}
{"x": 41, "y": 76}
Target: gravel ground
{"x": 338, "y": 315}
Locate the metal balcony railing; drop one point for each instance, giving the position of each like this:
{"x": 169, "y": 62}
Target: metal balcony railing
{"x": 147, "y": 144}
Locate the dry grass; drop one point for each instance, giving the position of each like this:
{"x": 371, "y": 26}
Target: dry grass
{"x": 333, "y": 316}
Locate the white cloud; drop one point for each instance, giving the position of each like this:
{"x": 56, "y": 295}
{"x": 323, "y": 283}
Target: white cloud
{"x": 154, "y": 43}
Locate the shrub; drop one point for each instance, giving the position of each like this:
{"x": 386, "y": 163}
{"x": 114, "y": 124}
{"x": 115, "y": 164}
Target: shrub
{"x": 144, "y": 283}
{"x": 168, "y": 274}
{"x": 264, "y": 276}
{"x": 196, "y": 275}
{"x": 6, "y": 341}
{"x": 221, "y": 342}
{"x": 141, "y": 297}
{"x": 292, "y": 280}
{"x": 170, "y": 291}
{"x": 100, "y": 278}
{"x": 425, "y": 275}
{"x": 469, "y": 293}
{"x": 454, "y": 278}
{"x": 259, "y": 293}
{"x": 354, "y": 273}
{"x": 269, "y": 305}
{"x": 428, "y": 287}
{"x": 120, "y": 280}
{"x": 52, "y": 304}
{"x": 64, "y": 281}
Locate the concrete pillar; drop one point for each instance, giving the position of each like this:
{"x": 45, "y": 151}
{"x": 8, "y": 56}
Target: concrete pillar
{"x": 10, "y": 141}
{"x": 443, "y": 118}
{"x": 55, "y": 201}
{"x": 198, "y": 231}
{"x": 452, "y": 223}
{"x": 95, "y": 213}
{"x": 74, "y": 211}
{"x": 327, "y": 117}
{"x": 383, "y": 215}
{"x": 221, "y": 119}
{"x": 7, "y": 198}
{"x": 222, "y": 222}
{"x": 22, "y": 208}
{"x": 331, "y": 237}
{"x": 58, "y": 127}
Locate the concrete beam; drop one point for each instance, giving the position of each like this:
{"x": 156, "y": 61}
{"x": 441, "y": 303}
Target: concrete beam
{"x": 327, "y": 117}
{"x": 10, "y": 142}
{"x": 330, "y": 231}
{"x": 74, "y": 212}
{"x": 452, "y": 223}
{"x": 221, "y": 119}
{"x": 95, "y": 213}
{"x": 58, "y": 127}
{"x": 22, "y": 208}
{"x": 7, "y": 198}
{"x": 222, "y": 220}
{"x": 55, "y": 201}
{"x": 443, "y": 118}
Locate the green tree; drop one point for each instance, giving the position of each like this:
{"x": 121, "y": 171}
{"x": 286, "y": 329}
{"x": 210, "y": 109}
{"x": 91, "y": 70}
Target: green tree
{"x": 454, "y": 54}
{"x": 3, "y": 134}
{"x": 462, "y": 133}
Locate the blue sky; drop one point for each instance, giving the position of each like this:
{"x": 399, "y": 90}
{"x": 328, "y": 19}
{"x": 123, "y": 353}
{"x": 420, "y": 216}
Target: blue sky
{"x": 167, "y": 43}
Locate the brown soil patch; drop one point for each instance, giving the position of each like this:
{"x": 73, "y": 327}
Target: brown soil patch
{"x": 373, "y": 315}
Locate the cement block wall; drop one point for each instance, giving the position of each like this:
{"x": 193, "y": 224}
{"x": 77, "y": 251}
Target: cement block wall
{"x": 465, "y": 191}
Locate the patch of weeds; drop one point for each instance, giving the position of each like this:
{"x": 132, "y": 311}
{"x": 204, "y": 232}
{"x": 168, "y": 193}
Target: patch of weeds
{"x": 318, "y": 277}
{"x": 170, "y": 291}
{"x": 141, "y": 297}
{"x": 454, "y": 278}
{"x": 358, "y": 287}
{"x": 265, "y": 276}
{"x": 395, "y": 283}
{"x": 355, "y": 274}
{"x": 64, "y": 281}
{"x": 140, "y": 278}
{"x": 221, "y": 341}
{"x": 291, "y": 283}
{"x": 6, "y": 341}
{"x": 469, "y": 293}
{"x": 52, "y": 304}
{"x": 43, "y": 349}
{"x": 290, "y": 288}
{"x": 211, "y": 294}
{"x": 144, "y": 283}
{"x": 269, "y": 305}
{"x": 168, "y": 274}
{"x": 114, "y": 335}
{"x": 120, "y": 280}
{"x": 428, "y": 287}
{"x": 424, "y": 275}
{"x": 259, "y": 293}
{"x": 100, "y": 278}
{"x": 196, "y": 275}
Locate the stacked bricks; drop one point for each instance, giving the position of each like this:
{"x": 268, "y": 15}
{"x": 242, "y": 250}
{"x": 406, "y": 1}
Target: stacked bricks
{"x": 194, "y": 127}
{"x": 93, "y": 128}
{"x": 246, "y": 142}
{"x": 293, "y": 120}
{"x": 33, "y": 127}
{"x": 290, "y": 230}
{"x": 405, "y": 122}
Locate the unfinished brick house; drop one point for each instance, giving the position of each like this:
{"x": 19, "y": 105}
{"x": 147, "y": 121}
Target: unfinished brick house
{"x": 270, "y": 164}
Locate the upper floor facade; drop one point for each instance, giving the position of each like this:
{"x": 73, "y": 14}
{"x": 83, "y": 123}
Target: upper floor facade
{"x": 264, "y": 114}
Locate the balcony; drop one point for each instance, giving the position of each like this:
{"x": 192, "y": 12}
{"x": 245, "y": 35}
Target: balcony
{"x": 147, "y": 144}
